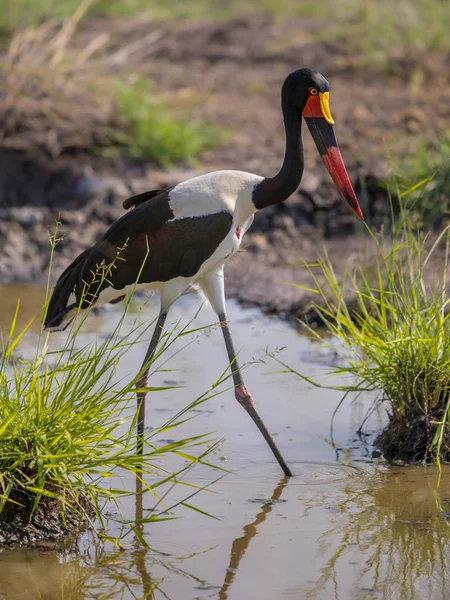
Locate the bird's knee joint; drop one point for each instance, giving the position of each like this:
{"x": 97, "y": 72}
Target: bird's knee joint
{"x": 142, "y": 383}
{"x": 243, "y": 396}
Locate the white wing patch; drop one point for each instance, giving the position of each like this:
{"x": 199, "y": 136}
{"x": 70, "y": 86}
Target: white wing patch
{"x": 220, "y": 191}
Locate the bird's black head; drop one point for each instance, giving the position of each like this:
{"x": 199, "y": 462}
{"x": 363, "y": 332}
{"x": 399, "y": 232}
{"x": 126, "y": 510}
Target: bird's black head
{"x": 306, "y": 94}
{"x": 301, "y": 84}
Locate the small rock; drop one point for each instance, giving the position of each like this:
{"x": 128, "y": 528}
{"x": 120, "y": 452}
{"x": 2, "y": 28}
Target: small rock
{"x": 362, "y": 113}
{"x": 259, "y": 240}
{"x": 310, "y": 182}
{"x": 73, "y": 217}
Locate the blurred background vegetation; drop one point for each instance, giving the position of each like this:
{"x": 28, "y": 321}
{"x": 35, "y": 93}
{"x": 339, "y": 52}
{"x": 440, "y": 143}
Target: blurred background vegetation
{"x": 372, "y": 27}
{"x": 150, "y": 93}
{"x": 147, "y": 121}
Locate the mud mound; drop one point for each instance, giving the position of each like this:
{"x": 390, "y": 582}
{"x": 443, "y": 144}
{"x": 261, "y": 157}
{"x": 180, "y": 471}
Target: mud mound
{"x": 409, "y": 440}
{"x": 47, "y": 523}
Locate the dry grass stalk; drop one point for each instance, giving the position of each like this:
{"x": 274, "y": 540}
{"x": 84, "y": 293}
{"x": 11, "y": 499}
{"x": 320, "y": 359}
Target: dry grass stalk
{"x": 56, "y": 97}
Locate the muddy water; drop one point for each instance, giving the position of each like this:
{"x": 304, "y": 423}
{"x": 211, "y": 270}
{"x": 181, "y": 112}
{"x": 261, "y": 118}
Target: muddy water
{"x": 343, "y": 527}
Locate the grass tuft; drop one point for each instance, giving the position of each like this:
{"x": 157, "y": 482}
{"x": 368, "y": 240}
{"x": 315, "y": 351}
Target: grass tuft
{"x": 394, "y": 338}
{"x": 423, "y": 181}
{"x": 154, "y": 131}
{"x": 67, "y": 433}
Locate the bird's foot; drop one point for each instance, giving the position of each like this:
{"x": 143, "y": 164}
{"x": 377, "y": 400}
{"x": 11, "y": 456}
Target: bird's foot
{"x": 246, "y": 401}
{"x": 243, "y": 396}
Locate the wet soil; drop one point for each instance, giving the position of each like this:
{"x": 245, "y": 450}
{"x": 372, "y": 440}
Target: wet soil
{"x": 231, "y": 73}
{"x": 409, "y": 439}
{"x": 19, "y": 528}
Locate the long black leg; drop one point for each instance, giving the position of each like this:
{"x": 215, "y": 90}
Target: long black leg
{"x": 142, "y": 382}
{"x": 243, "y": 395}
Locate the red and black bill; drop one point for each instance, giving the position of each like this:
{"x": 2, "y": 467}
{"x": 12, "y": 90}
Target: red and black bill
{"x": 322, "y": 132}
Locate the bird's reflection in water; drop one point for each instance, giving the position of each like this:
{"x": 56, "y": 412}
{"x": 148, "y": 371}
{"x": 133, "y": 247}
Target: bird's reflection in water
{"x": 240, "y": 545}
{"x": 238, "y": 548}
{"x": 145, "y": 557}
{"x": 141, "y": 553}
{"x": 393, "y": 529}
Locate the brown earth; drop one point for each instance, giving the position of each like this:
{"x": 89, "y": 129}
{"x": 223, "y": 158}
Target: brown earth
{"x": 409, "y": 439}
{"x": 18, "y": 526}
{"x": 232, "y": 73}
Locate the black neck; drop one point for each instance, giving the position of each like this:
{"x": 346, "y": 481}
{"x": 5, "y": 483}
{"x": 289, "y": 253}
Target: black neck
{"x": 276, "y": 189}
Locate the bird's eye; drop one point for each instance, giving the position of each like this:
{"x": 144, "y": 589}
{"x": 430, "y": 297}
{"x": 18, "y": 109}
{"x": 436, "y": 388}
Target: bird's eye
{"x": 312, "y": 91}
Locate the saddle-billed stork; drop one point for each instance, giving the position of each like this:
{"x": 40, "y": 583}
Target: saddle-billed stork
{"x": 183, "y": 235}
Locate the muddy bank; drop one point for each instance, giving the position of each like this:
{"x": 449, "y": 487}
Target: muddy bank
{"x": 409, "y": 439}
{"x": 47, "y": 524}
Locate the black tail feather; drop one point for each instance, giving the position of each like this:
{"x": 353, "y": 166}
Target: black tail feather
{"x": 141, "y": 198}
{"x": 58, "y": 306}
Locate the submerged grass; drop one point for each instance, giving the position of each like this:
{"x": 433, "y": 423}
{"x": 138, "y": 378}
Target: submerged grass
{"x": 378, "y": 517}
{"x": 67, "y": 433}
{"x": 393, "y": 331}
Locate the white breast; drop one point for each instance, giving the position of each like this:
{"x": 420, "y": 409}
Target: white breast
{"x": 229, "y": 246}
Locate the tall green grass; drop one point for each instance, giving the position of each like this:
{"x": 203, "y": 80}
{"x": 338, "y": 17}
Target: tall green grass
{"x": 67, "y": 430}
{"x": 392, "y": 322}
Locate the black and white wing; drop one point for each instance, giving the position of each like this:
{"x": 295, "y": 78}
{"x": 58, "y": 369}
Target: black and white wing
{"x": 146, "y": 245}
{"x": 141, "y": 198}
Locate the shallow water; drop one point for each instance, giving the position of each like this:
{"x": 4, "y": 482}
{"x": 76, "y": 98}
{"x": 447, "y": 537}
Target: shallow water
{"x": 343, "y": 527}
